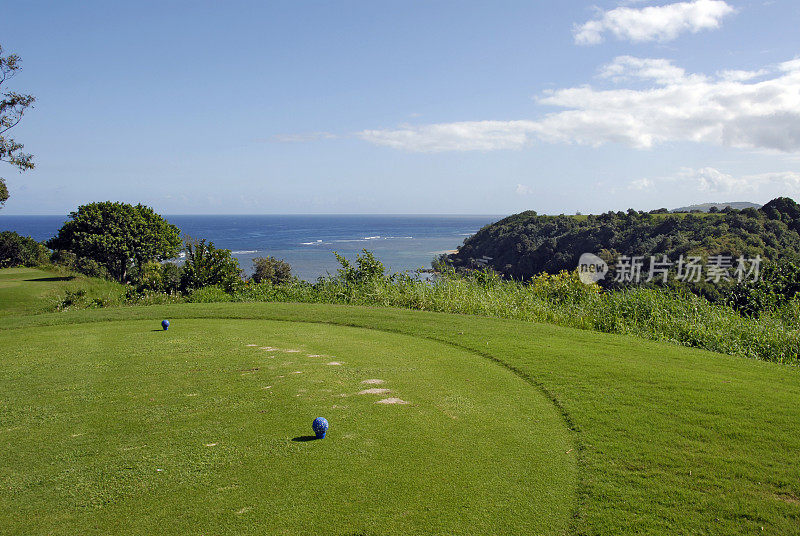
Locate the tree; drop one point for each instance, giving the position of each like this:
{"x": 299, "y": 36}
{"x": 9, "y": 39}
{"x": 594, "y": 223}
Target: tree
{"x": 12, "y": 108}
{"x": 271, "y": 270}
{"x": 367, "y": 269}
{"x": 208, "y": 266}
{"x": 16, "y": 250}
{"x": 118, "y": 236}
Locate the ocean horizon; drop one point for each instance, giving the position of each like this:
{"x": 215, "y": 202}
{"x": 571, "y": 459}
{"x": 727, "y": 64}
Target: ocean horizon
{"x": 402, "y": 242}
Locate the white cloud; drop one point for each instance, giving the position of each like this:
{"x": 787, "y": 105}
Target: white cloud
{"x": 722, "y": 109}
{"x": 461, "y": 136}
{"x": 302, "y": 137}
{"x": 641, "y": 184}
{"x": 741, "y": 76}
{"x": 660, "y": 71}
{"x": 523, "y": 189}
{"x": 654, "y": 23}
{"x": 714, "y": 181}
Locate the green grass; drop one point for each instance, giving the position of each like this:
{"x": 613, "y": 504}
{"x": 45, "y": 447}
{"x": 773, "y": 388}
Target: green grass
{"x": 112, "y": 427}
{"x": 667, "y": 440}
{"x": 32, "y": 290}
{"x": 512, "y": 428}
{"x": 650, "y": 313}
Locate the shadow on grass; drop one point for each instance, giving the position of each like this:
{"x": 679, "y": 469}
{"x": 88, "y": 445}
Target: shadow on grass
{"x": 303, "y": 438}
{"x": 45, "y": 279}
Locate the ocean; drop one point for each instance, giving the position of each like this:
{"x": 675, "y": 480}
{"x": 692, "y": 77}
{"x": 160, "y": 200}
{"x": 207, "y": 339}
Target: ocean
{"x": 307, "y": 242}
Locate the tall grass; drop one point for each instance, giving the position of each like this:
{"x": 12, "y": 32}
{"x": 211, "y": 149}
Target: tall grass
{"x": 561, "y": 299}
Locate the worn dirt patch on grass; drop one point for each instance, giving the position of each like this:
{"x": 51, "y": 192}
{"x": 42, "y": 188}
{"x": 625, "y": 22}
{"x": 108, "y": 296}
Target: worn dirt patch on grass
{"x": 374, "y": 391}
{"x": 391, "y": 401}
{"x": 787, "y": 498}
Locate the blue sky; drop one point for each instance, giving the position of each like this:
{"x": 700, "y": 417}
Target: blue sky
{"x": 406, "y": 107}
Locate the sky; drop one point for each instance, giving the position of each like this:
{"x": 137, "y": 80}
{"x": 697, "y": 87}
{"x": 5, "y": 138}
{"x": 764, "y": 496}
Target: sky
{"x": 405, "y": 107}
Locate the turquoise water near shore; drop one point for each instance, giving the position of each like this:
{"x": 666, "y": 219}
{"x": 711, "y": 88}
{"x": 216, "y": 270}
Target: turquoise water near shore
{"x": 307, "y": 242}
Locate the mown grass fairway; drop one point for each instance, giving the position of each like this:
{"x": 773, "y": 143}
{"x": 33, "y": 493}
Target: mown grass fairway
{"x": 113, "y": 427}
{"x": 557, "y": 431}
{"x": 24, "y": 289}
{"x": 31, "y": 290}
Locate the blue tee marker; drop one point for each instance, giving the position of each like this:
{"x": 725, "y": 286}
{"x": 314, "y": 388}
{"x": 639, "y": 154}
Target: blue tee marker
{"x": 320, "y": 426}
{"x": 165, "y": 324}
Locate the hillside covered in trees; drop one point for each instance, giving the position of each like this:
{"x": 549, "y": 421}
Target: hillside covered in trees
{"x": 526, "y": 244}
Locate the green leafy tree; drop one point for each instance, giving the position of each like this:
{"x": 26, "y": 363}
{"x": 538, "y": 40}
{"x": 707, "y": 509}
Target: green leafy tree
{"x": 151, "y": 277}
{"x": 778, "y": 284}
{"x": 16, "y": 250}
{"x": 118, "y": 236}
{"x": 208, "y": 266}
{"x": 366, "y": 269}
{"x": 171, "y": 277}
{"x": 526, "y": 244}
{"x": 271, "y": 270}
{"x": 12, "y": 108}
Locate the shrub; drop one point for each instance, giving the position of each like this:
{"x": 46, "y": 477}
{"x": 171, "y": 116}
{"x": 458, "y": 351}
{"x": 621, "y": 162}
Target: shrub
{"x": 170, "y": 277}
{"x": 366, "y": 269}
{"x": 206, "y": 266}
{"x": 210, "y": 294}
{"x": 778, "y": 285}
{"x": 150, "y": 297}
{"x": 91, "y": 267}
{"x": 151, "y": 277}
{"x": 16, "y": 250}
{"x": 271, "y": 270}
{"x": 65, "y": 258}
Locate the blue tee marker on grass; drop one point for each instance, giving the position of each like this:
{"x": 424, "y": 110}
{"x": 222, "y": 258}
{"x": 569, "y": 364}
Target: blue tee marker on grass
{"x": 320, "y": 426}
{"x": 165, "y": 324}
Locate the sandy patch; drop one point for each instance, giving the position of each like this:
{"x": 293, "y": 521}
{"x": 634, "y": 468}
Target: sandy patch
{"x": 391, "y": 401}
{"x": 334, "y": 363}
{"x": 787, "y": 498}
{"x": 374, "y": 391}
{"x": 373, "y": 382}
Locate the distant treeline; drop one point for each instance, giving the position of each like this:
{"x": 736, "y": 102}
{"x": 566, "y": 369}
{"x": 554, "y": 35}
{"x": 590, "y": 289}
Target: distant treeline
{"x": 526, "y": 244}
